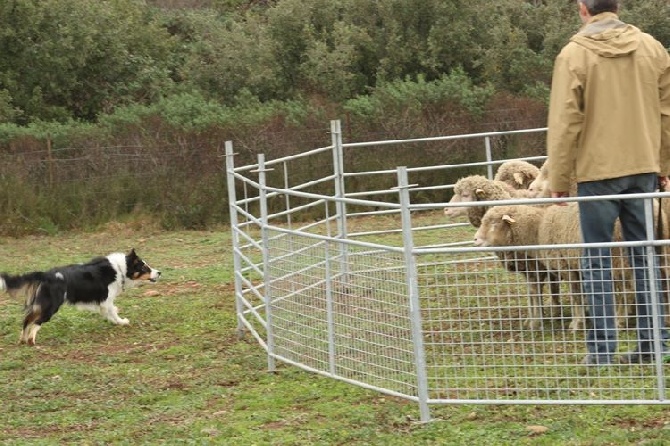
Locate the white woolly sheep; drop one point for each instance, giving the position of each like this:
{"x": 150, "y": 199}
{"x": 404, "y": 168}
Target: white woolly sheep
{"x": 560, "y": 225}
{"x": 499, "y": 228}
{"x": 535, "y": 225}
{"x": 517, "y": 174}
{"x": 479, "y": 188}
{"x": 567, "y": 218}
{"x": 539, "y": 187}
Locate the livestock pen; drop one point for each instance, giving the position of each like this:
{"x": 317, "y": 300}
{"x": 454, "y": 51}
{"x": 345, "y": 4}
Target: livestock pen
{"x": 378, "y": 289}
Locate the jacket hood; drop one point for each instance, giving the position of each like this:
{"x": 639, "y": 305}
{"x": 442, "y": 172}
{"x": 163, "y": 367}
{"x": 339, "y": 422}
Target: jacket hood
{"x": 607, "y": 36}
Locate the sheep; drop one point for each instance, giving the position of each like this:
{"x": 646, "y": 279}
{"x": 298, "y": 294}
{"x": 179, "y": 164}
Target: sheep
{"x": 517, "y": 174}
{"x": 567, "y": 218}
{"x": 560, "y": 225}
{"x": 536, "y": 225}
{"x": 662, "y": 230}
{"x": 557, "y": 225}
{"x": 499, "y": 228}
{"x": 539, "y": 187}
{"x": 623, "y": 280}
{"x": 479, "y": 188}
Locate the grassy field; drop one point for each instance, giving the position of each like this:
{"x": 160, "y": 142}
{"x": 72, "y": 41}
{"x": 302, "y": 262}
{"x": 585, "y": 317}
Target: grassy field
{"x": 178, "y": 374}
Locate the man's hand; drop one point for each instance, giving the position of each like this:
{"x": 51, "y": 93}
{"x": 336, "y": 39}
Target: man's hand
{"x": 663, "y": 183}
{"x": 560, "y": 195}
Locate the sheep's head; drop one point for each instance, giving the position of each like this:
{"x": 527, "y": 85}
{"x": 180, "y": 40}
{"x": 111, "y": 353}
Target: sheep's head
{"x": 517, "y": 174}
{"x": 457, "y": 211}
{"x": 539, "y": 188}
{"x": 495, "y": 230}
{"x": 464, "y": 192}
{"x": 481, "y": 194}
{"x": 523, "y": 180}
{"x": 518, "y": 180}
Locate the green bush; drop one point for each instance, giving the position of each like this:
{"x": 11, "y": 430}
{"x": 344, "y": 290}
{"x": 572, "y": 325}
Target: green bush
{"x": 417, "y": 95}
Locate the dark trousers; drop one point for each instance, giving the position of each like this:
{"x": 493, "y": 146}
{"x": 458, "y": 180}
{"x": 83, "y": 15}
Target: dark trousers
{"x": 597, "y": 220}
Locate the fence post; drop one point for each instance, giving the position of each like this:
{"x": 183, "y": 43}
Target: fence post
{"x": 654, "y": 294}
{"x": 330, "y": 314}
{"x": 262, "y": 195}
{"x": 287, "y": 197}
{"x": 50, "y": 161}
{"x": 489, "y": 157}
{"x": 413, "y": 288}
{"x": 232, "y": 209}
{"x": 340, "y": 206}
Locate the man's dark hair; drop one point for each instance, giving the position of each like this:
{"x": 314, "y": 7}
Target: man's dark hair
{"x": 599, "y": 6}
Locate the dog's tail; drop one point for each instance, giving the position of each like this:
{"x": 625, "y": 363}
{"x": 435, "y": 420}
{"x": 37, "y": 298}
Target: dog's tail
{"x": 26, "y": 285}
{"x": 44, "y": 292}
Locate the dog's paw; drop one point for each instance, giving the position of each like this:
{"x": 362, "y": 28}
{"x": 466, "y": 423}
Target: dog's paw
{"x": 123, "y": 321}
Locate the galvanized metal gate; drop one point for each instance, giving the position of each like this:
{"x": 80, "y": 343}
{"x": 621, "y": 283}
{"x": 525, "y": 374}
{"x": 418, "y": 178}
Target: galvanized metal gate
{"x": 367, "y": 287}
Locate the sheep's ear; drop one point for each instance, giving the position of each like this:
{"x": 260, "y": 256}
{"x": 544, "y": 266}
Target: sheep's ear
{"x": 508, "y": 219}
{"x": 479, "y": 192}
{"x": 518, "y": 177}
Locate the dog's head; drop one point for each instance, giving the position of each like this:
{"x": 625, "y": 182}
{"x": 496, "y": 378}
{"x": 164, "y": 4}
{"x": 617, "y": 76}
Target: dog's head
{"x": 138, "y": 269}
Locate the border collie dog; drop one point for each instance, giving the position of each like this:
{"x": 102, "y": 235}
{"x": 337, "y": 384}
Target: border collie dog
{"x": 91, "y": 286}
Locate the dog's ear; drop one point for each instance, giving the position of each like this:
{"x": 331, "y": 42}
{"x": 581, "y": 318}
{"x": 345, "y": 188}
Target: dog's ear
{"x": 132, "y": 253}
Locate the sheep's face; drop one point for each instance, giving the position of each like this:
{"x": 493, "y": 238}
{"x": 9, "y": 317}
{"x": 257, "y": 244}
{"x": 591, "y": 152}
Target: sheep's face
{"x": 539, "y": 188}
{"x": 523, "y": 180}
{"x": 494, "y": 231}
{"x": 460, "y": 196}
{"x": 520, "y": 179}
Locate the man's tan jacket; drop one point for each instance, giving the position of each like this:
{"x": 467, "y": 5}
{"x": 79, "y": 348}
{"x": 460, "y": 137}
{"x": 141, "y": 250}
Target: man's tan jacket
{"x": 609, "y": 111}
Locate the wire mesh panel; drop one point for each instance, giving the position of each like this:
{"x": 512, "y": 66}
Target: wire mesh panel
{"x": 484, "y": 343}
{"x": 346, "y": 319}
{"x": 390, "y": 296}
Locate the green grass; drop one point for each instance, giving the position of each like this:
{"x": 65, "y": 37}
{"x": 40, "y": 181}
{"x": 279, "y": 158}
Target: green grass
{"x": 178, "y": 374}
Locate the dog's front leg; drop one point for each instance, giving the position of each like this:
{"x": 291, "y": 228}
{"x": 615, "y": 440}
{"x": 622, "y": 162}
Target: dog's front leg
{"x": 110, "y": 312}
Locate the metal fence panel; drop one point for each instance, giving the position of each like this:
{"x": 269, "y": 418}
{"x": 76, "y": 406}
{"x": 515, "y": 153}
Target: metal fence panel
{"x": 339, "y": 291}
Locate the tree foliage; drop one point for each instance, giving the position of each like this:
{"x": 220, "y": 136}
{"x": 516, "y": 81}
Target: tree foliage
{"x": 63, "y": 59}
{"x": 81, "y": 60}
{"x": 133, "y": 99}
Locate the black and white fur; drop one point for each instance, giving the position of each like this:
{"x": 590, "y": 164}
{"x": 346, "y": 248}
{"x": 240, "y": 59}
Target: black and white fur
{"x": 91, "y": 286}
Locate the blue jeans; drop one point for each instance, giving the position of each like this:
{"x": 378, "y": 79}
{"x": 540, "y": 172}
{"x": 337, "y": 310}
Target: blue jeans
{"x": 597, "y": 219}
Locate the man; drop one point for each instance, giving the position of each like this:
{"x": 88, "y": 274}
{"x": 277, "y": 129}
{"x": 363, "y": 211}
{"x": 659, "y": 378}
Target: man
{"x": 609, "y": 125}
